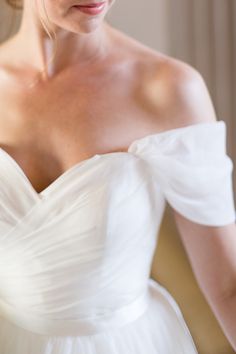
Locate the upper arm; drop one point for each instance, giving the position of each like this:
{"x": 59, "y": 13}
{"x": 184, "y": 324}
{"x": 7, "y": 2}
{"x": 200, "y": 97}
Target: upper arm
{"x": 211, "y": 249}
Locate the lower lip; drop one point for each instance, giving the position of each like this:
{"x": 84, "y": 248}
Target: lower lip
{"x": 91, "y": 10}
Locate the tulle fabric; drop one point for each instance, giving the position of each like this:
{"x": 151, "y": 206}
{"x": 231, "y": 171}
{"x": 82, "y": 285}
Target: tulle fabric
{"x": 161, "y": 329}
{"x": 75, "y": 260}
{"x": 194, "y": 171}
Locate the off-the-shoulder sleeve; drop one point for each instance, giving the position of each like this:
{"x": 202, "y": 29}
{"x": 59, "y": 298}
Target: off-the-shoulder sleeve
{"x": 193, "y": 169}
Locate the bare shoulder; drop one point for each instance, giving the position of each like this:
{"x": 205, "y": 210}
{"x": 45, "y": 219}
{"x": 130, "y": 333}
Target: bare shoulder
{"x": 8, "y": 62}
{"x": 190, "y": 101}
{"x": 6, "y": 52}
{"x": 175, "y": 91}
{"x": 8, "y": 85}
{"x": 180, "y": 91}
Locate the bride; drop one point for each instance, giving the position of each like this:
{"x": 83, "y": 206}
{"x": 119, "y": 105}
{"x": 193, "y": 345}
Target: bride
{"x": 91, "y": 117}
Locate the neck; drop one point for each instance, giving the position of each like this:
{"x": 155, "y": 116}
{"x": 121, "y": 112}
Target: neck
{"x": 82, "y": 49}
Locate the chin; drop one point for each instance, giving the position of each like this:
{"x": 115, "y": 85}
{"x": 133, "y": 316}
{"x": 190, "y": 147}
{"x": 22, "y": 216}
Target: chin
{"x": 83, "y": 27}
{"x": 71, "y": 24}
{"x": 73, "y": 20}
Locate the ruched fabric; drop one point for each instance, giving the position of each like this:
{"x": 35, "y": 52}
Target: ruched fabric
{"x": 75, "y": 259}
{"x": 194, "y": 171}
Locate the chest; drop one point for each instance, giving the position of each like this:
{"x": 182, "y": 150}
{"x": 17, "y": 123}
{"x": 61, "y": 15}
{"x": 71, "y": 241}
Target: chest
{"x": 53, "y": 126}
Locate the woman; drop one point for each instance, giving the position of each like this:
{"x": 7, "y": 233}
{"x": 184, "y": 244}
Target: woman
{"x": 93, "y": 143}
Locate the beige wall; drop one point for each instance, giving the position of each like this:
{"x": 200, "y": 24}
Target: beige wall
{"x": 9, "y": 20}
{"x": 149, "y": 24}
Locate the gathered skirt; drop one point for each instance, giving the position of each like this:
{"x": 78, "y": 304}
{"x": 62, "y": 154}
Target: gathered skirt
{"x": 161, "y": 329}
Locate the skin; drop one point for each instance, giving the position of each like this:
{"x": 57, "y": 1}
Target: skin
{"x": 94, "y": 63}
{"x": 103, "y": 91}
{"x": 52, "y": 125}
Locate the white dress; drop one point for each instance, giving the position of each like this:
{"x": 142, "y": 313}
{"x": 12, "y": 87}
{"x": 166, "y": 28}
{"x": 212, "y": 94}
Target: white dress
{"x": 75, "y": 259}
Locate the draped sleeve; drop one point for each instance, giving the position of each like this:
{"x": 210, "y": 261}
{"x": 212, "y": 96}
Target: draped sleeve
{"x": 192, "y": 167}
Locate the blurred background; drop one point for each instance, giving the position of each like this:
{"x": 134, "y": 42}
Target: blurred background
{"x": 202, "y": 33}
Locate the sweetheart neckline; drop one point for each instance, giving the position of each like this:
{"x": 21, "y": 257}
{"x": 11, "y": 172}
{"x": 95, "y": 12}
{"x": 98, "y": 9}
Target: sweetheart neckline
{"x": 94, "y": 157}
{"x": 77, "y": 165}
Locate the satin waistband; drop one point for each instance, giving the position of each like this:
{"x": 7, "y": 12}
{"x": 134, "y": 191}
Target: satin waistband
{"x": 78, "y": 327}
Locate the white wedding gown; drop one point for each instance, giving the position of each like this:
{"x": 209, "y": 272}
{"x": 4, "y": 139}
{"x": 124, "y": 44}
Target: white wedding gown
{"x": 75, "y": 259}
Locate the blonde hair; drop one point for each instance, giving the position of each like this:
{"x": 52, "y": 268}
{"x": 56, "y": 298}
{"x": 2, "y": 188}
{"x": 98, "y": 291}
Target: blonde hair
{"x": 18, "y": 5}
